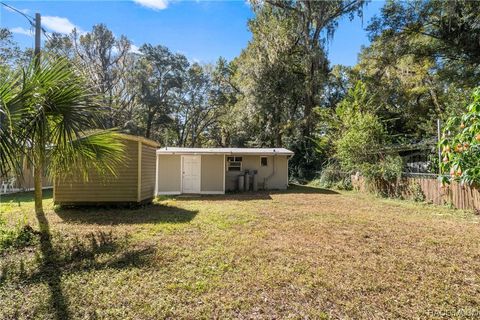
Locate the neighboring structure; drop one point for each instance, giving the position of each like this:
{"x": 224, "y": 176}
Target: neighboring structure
{"x": 134, "y": 182}
{"x": 216, "y": 170}
{"x": 23, "y": 181}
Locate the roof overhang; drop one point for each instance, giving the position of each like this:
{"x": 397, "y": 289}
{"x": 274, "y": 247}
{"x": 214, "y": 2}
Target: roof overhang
{"x": 146, "y": 141}
{"x": 225, "y": 151}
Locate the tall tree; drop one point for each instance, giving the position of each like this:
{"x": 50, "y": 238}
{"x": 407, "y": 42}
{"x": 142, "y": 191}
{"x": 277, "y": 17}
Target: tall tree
{"x": 10, "y": 52}
{"x": 106, "y": 61}
{"x": 197, "y": 110}
{"x": 159, "y": 76}
{"x": 445, "y": 31}
{"x": 316, "y": 22}
{"x": 284, "y": 72}
{"x": 270, "y": 77}
{"x": 224, "y": 95}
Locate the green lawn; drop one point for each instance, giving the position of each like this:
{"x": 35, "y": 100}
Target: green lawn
{"x": 305, "y": 253}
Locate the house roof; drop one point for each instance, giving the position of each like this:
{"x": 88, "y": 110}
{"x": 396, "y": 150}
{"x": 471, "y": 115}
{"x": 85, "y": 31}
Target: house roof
{"x": 226, "y": 151}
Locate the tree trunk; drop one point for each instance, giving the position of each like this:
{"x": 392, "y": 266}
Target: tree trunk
{"x": 149, "y": 125}
{"x": 278, "y": 140}
{"x": 311, "y": 92}
{"x": 37, "y": 179}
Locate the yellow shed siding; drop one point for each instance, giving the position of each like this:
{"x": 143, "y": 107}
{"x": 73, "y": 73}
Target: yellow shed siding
{"x": 119, "y": 188}
{"x": 148, "y": 172}
{"x": 212, "y": 173}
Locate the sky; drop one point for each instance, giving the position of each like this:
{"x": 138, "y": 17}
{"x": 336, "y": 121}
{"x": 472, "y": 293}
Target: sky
{"x": 201, "y": 30}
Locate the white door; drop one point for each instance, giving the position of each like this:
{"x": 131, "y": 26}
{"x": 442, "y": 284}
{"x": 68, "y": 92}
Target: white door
{"x": 191, "y": 174}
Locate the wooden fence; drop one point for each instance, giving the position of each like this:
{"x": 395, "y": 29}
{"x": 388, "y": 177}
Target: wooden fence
{"x": 432, "y": 190}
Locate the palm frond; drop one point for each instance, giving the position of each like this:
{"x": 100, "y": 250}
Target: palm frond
{"x": 60, "y": 119}
{"x": 10, "y": 108}
{"x": 99, "y": 152}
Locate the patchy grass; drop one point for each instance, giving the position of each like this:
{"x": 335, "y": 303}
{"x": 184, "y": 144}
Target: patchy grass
{"x": 305, "y": 253}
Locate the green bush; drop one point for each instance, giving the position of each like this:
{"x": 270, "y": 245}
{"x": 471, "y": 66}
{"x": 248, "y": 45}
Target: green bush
{"x": 387, "y": 169}
{"x": 461, "y": 145}
{"x": 344, "y": 184}
{"x": 18, "y": 236}
{"x": 332, "y": 177}
{"x": 362, "y": 143}
{"x": 416, "y": 193}
{"x": 329, "y": 176}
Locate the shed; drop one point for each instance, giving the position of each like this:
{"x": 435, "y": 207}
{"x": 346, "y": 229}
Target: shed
{"x": 216, "y": 170}
{"x": 133, "y": 183}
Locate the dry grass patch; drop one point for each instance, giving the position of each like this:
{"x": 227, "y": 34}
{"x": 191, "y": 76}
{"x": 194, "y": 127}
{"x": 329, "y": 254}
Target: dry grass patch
{"x": 306, "y": 253}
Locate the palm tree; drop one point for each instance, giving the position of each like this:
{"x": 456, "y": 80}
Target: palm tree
{"x": 9, "y": 113}
{"x": 51, "y": 117}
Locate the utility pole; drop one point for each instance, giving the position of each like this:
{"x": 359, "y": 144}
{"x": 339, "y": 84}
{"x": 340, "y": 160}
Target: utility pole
{"x": 38, "y": 161}
{"x": 38, "y": 38}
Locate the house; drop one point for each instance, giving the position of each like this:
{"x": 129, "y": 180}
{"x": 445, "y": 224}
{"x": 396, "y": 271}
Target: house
{"x": 134, "y": 181}
{"x": 148, "y": 171}
{"x": 216, "y": 170}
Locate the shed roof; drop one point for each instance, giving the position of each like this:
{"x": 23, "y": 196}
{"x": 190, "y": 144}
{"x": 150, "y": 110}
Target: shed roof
{"x": 226, "y": 151}
{"x": 146, "y": 141}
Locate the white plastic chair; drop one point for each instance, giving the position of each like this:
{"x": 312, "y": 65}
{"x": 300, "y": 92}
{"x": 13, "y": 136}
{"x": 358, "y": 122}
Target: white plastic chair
{"x": 4, "y": 187}
{"x": 11, "y": 184}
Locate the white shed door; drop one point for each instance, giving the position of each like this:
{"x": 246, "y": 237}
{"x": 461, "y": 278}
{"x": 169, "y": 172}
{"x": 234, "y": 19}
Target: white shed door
{"x": 191, "y": 174}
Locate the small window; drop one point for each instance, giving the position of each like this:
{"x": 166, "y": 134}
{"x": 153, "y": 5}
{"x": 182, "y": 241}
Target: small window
{"x": 234, "y": 163}
{"x": 264, "y": 161}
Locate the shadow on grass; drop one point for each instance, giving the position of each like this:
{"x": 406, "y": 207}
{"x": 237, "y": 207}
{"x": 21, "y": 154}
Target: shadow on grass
{"x": 49, "y": 268}
{"x": 152, "y": 213}
{"x": 69, "y": 255}
{"x": 258, "y": 195}
{"x": 298, "y": 188}
{"x": 229, "y": 196}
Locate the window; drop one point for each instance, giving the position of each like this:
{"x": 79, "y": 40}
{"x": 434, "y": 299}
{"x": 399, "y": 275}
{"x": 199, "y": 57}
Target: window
{"x": 234, "y": 163}
{"x": 264, "y": 161}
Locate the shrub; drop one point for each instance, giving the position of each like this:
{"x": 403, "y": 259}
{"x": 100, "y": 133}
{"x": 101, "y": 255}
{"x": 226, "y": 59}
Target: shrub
{"x": 382, "y": 177}
{"x": 329, "y": 176}
{"x": 461, "y": 145}
{"x": 18, "y": 236}
{"x": 332, "y": 177}
{"x": 344, "y": 184}
{"x": 416, "y": 193}
{"x": 362, "y": 144}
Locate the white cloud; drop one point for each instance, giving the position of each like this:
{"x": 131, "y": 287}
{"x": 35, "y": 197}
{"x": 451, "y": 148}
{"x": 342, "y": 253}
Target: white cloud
{"x": 59, "y": 24}
{"x": 21, "y": 30}
{"x": 153, "y": 4}
{"x": 134, "y": 49}
{"x": 21, "y": 10}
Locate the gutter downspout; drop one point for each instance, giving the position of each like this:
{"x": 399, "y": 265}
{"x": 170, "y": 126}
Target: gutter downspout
{"x": 265, "y": 180}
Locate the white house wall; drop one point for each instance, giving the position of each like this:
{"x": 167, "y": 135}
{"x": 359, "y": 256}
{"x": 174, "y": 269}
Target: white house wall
{"x": 215, "y": 179}
{"x": 268, "y": 178}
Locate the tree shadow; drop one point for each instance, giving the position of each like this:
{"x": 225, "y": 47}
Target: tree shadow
{"x": 298, "y": 188}
{"x": 50, "y": 269}
{"x": 258, "y": 195}
{"x": 229, "y": 196}
{"x": 151, "y": 213}
{"x": 69, "y": 255}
